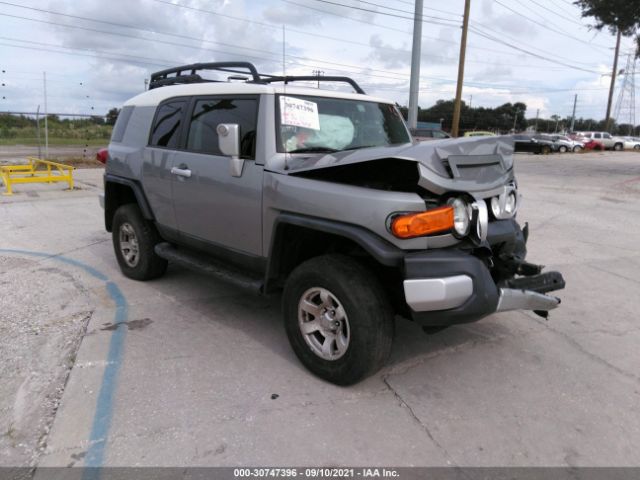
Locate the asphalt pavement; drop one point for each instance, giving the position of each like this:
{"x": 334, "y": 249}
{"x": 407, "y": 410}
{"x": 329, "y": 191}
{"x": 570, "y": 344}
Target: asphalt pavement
{"x": 188, "y": 371}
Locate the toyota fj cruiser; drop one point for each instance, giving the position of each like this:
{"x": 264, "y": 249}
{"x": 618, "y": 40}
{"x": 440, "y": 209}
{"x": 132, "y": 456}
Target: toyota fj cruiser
{"x": 324, "y": 196}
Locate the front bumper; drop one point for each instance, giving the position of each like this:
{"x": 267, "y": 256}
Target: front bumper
{"x": 447, "y": 287}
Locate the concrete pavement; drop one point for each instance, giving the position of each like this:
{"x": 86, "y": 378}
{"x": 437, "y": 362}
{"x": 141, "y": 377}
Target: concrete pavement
{"x": 203, "y": 375}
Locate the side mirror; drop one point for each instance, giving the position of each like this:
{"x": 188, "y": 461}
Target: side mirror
{"x": 229, "y": 144}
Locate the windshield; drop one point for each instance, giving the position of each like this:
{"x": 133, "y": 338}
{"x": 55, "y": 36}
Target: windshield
{"x": 322, "y": 124}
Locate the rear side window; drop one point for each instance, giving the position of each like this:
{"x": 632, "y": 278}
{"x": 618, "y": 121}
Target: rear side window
{"x": 209, "y": 113}
{"x": 121, "y": 124}
{"x": 166, "y": 127}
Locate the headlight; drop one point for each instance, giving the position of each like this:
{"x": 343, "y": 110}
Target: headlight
{"x": 505, "y": 206}
{"x": 461, "y": 216}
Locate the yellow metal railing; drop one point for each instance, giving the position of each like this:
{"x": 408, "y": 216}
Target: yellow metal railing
{"x": 36, "y": 171}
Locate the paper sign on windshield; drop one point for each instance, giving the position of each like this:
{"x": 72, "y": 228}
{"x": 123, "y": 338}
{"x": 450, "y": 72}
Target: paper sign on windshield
{"x": 299, "y": 113}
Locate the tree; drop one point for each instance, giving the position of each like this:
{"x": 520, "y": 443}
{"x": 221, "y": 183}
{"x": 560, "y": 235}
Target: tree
{"x": 112, "y": 116}
{"x": 622, "y": 18}
{"x": 616, "y": 15}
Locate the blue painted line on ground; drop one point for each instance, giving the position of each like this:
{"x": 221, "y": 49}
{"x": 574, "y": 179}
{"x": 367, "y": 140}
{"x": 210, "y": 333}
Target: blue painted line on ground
{"x": 104, "y": 405}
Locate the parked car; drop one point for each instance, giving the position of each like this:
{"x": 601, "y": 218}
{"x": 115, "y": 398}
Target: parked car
{"x": 631, "y": 143}
{"x": 479, "y": 133}
{"x": 591, "y": 144}
{"x": 321, "y": 196}
{"x": 565, "y": 144}
{"x": 428, "y": 134}
{"x": 609, "y": 141}
{"x": 526, "y": 143}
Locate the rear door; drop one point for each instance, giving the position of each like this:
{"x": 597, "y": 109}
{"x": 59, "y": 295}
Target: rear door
{"x": 214, "y": 208}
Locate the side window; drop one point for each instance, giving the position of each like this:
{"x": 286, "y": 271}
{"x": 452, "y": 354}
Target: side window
{"x": 606, "y": 135}
{"x": 121, "y": 124}
{"x": 209, "y": 113}
{"x": 596, "y": 135}
{"x": 166, "y": 127}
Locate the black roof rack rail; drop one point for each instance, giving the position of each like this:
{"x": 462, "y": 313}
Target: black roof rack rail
{"x": 315, "y": 78}
{"x": 187, "y": 73}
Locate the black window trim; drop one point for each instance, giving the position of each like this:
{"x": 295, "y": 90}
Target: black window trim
{"x": 189, "y": 112}
{"x": 183, "y": 99}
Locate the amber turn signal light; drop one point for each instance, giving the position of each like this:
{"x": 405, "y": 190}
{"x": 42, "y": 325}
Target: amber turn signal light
{"x": 412, "y": 225}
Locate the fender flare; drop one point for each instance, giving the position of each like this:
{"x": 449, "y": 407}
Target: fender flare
{"x": 141, "y": 198}
{"x": 380, "y": 249}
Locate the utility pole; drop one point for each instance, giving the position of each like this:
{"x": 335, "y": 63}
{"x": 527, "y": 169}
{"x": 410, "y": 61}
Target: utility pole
{"x": 515, "y": 120}
{"x": 463, "y": 50}
{"x": 414, "y": 83}
{"x": 613, "y": 81}
{"x": 573, "y": 115}
{"x": 38, "y": 132}
{"x": 470, "y": 101}
{"x": 537, "y": 116}
{"x": 146, "y": 82}
{"x": 318, "y": 73}
{"x": 46, "y": 125}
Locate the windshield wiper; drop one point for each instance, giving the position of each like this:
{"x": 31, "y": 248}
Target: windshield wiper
{"x": 313, "y": 150}
{"x": 359, "y": 146}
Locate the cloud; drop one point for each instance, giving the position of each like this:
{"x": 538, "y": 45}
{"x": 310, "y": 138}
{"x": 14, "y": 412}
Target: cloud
{"x": 387, "y": 55}
{"x": 289, "y": 15}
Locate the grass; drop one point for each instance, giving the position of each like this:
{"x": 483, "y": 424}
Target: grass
{"x": 33, "y": 142}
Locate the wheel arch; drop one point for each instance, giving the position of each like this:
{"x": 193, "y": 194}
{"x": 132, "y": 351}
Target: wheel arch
{"x": 120, "y": 191}
{"x": 297, "y": 238}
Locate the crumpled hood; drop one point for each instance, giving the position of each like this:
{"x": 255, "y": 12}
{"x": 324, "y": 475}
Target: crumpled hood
{"x": 456, "y": 164}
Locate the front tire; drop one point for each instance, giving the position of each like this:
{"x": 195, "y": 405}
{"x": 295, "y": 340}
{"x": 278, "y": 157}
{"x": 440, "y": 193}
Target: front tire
{"x": 618, "y": 146}
{"x": 338, "y": 319}
{"x": 563, "y": 149}
{"x": 134, "y": 239}
{"x": 546, "y": 150}
{"x": 577, "y": 148}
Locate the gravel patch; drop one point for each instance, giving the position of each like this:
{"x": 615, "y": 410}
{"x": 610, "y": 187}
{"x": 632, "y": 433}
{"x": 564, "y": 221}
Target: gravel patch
{"x": 44, "y": 312}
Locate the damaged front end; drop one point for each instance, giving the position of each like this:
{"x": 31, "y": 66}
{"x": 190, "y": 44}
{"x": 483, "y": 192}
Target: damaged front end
{"x": 464, "y": 254}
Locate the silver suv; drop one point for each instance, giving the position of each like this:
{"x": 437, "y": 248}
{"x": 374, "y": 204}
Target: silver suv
{"x": 321, "y": 196}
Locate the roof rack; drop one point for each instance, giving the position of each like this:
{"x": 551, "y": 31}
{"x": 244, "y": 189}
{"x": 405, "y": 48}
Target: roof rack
{"x": 188, "y": 74}
{"x": 304, "y": 78}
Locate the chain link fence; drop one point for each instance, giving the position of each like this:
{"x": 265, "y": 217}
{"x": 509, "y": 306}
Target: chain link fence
{"x": 72, "y": 139}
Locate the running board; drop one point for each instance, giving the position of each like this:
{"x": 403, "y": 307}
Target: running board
{"x": 205, "y": 264}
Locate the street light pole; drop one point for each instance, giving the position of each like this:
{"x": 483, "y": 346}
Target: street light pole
{"x": 414, "y": 83}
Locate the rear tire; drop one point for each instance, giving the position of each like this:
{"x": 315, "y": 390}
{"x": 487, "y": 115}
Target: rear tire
{"x": 636, "y": 147}
{"x": 562, "y": 149}
{"x": 577, "y": 148}
{"x": 338, "y": 319}
{"x": 618, "y": 146}
{"x": 546, "y": 150}
{"x": 134, "y": 239}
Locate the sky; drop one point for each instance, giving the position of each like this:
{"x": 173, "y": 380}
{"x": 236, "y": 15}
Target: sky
{"x": 98, "y": 53}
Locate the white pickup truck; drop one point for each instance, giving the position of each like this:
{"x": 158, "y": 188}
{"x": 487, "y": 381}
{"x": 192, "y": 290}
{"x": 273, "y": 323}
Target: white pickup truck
{"x": 609, "y": 141}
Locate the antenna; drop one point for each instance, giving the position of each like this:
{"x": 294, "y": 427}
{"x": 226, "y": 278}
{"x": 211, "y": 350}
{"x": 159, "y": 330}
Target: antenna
{"x": 284, "y": 67}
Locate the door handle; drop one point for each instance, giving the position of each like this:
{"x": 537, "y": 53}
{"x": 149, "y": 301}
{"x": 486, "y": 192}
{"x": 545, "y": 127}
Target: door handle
{"x": 181, "y": 172}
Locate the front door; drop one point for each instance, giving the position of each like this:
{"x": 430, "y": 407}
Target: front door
{"x": 210, "y": 204}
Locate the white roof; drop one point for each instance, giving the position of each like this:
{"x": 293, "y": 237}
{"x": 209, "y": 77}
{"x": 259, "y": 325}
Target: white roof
{"x": 153, "y": 97}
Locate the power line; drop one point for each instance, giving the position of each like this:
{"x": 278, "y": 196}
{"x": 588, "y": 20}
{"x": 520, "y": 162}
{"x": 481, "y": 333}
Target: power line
{"x": 492, "y": 38}
{"x": 435, "y": 21}
{"x": 547, "y": 27}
